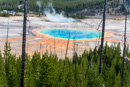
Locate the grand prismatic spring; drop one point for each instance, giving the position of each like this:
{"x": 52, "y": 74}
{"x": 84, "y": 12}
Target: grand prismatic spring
{"x": 74, "y": 33}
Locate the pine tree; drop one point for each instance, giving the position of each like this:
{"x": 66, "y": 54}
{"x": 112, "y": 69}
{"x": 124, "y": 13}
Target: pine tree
{"x": 35, "y": 63}
{"x": 48, "y": 73}
{"x": 11, "y": 71}
{"x": 3, "y": 79}
{"x": 69, "y": 81}
{"x": 29, "y": 77}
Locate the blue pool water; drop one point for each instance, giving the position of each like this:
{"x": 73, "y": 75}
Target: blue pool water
{"x": 74, "y": 33}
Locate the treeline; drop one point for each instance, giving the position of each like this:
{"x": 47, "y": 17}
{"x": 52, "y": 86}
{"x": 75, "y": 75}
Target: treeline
{"x": 81, "y": 71}
{"x": 68, "y": 6}
{"x": 5, "y": 15}
{"x": 65, "y": 5}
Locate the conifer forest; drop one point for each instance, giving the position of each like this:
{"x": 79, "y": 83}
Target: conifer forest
{"x": 81, "y": 71}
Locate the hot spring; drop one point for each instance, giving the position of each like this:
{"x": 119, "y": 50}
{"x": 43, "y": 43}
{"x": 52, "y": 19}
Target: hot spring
{"x": 71, "y": 33}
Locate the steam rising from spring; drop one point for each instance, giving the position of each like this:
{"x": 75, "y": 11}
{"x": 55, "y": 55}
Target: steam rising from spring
{"x": 39, "y": 5}
{"x": 52, "y": 16}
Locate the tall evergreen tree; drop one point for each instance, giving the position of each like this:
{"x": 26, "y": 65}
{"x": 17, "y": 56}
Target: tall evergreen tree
{"x": 3, "y": 79}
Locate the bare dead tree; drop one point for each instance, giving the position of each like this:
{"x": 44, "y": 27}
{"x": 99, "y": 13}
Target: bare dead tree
{"x": 96, "y": 45}
{"x": 50, "y": 49}
{"x": 61, "y": 51}
{"x": 102, "y": 40}
{"x": 122, "y": 80}
{"x": 54, "y": 45}
{"x": 46, "y": 47}
{"x": 74, "y": 46}
{"x": 42, "y": 50}
{"x": 27, "y": 47}
{"x": 90, "y": 61}
{"x": 23, "y": 44}
{"x": 7, "y": 32}
{"x": 99, "y": 25}
{"x": 40, "y": 47}
{"x": 77, "y": 47}
{"x": 6, "y": 56}
{"x": 67, "y": 47}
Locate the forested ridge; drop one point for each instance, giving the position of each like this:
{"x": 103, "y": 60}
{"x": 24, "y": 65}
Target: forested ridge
{"x": 65, "y": 5}
{"x": 72, "y": 8}
{"x": 81, "y": 71}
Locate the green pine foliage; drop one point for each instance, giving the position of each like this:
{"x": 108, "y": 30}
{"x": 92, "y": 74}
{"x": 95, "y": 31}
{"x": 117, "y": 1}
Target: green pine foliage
{"x": 49, "y": 71}
{"x": 3, "y": 78}
{"x": 65, "y": 5}
{"x": 5, "y": 15}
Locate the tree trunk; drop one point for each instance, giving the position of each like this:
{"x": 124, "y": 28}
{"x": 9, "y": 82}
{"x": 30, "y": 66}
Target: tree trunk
{"x": 102, "y": 40}
{"x": 122, "y": 82}
{"x": 23, "y": 45}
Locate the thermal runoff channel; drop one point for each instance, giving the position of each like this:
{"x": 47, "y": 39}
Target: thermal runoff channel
{"x": 74, "y": 33}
